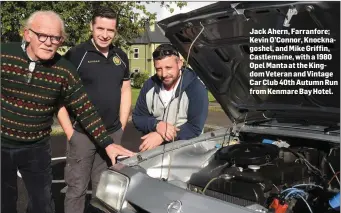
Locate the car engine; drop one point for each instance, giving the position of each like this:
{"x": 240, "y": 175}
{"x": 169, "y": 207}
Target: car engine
{"x": 274, "y": 176}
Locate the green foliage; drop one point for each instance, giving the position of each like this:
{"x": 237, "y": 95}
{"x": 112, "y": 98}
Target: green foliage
{"x": 62, "y": 50}
{"x": 132, "y": 16}
{"x": 139, "y": 79}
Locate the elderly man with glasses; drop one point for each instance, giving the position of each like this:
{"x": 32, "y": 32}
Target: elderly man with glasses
{"x": 172, "y": 104}
{"x": 35, "y": 82}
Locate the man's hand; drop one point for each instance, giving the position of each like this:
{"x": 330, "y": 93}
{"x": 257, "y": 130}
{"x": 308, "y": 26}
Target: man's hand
{"x": 150, "y": 141}
{"x": 166, "y": 130}
{"x": 65, "y": 123}
{"x": 113, "y": 150}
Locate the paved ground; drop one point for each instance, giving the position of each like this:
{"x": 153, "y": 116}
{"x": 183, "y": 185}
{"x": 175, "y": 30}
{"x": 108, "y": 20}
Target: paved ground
{"x": 131, "y": 140}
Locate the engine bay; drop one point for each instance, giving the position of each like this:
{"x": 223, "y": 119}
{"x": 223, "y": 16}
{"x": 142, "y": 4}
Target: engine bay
{"x": 267, "y": 174}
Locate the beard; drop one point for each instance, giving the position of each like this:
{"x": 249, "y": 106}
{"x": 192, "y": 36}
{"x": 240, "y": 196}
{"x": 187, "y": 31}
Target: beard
{"x": 170, "y": 81}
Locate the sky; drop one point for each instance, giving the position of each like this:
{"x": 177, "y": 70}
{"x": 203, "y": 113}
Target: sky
{"x": 163, "y": 13}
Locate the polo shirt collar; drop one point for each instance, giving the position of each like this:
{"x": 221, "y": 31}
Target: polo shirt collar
{"x": 91, "y": 47}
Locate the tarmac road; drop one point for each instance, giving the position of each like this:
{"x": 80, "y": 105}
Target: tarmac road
{"x": 130, "y": 140}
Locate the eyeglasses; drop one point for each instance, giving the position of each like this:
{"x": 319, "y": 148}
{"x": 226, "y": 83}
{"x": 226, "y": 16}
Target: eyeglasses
{"x": 160, "y": 53}
{"x": 43, "y": 37}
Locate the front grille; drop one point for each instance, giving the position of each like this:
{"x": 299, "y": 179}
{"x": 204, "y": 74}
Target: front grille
{"x": 224, "y": 197}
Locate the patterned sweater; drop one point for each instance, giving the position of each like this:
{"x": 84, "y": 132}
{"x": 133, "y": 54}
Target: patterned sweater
{"x": 28, "y": 106}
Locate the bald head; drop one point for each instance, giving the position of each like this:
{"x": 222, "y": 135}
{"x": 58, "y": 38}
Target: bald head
{"x": 39, "y": 16}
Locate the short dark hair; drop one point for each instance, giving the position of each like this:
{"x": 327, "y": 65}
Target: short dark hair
{"x": 165, "y": 50}
{"x": 103, "y": 12}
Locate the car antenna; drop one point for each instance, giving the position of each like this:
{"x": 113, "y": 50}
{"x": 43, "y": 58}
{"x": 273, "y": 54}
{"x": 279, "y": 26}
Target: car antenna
{"x": 176, "y": 115}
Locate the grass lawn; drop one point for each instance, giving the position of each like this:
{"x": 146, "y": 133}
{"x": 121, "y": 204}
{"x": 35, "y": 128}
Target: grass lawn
{"x": 135, "y": 94}
{"x": 210, "y": 97}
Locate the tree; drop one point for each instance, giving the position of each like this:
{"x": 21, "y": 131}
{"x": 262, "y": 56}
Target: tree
{"x": 77, "y": 16}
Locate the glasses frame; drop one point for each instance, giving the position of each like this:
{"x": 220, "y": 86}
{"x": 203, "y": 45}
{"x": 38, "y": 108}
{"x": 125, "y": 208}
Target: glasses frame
{"x": 53, "y": 39}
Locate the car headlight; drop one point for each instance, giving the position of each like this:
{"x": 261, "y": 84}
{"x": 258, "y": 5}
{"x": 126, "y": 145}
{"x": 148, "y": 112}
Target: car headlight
{"x": 112, "y": 189}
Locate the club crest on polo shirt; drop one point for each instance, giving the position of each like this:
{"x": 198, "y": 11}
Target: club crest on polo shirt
{"x": 116, "y": 60}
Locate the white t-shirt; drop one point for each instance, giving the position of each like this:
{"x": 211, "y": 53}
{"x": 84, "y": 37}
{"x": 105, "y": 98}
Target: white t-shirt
{"x": 167, "y": 95}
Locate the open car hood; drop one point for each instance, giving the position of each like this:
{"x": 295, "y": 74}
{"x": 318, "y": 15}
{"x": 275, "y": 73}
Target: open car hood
{"x": 220, "y": 55}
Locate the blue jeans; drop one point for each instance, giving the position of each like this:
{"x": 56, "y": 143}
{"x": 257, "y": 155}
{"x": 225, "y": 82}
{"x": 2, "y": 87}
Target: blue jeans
{"x": 34, "y": 165}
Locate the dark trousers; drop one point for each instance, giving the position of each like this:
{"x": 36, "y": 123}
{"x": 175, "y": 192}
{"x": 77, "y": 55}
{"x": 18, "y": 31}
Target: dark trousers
{"x": 34, "y": 165}
{"x": 84, "y": 160}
